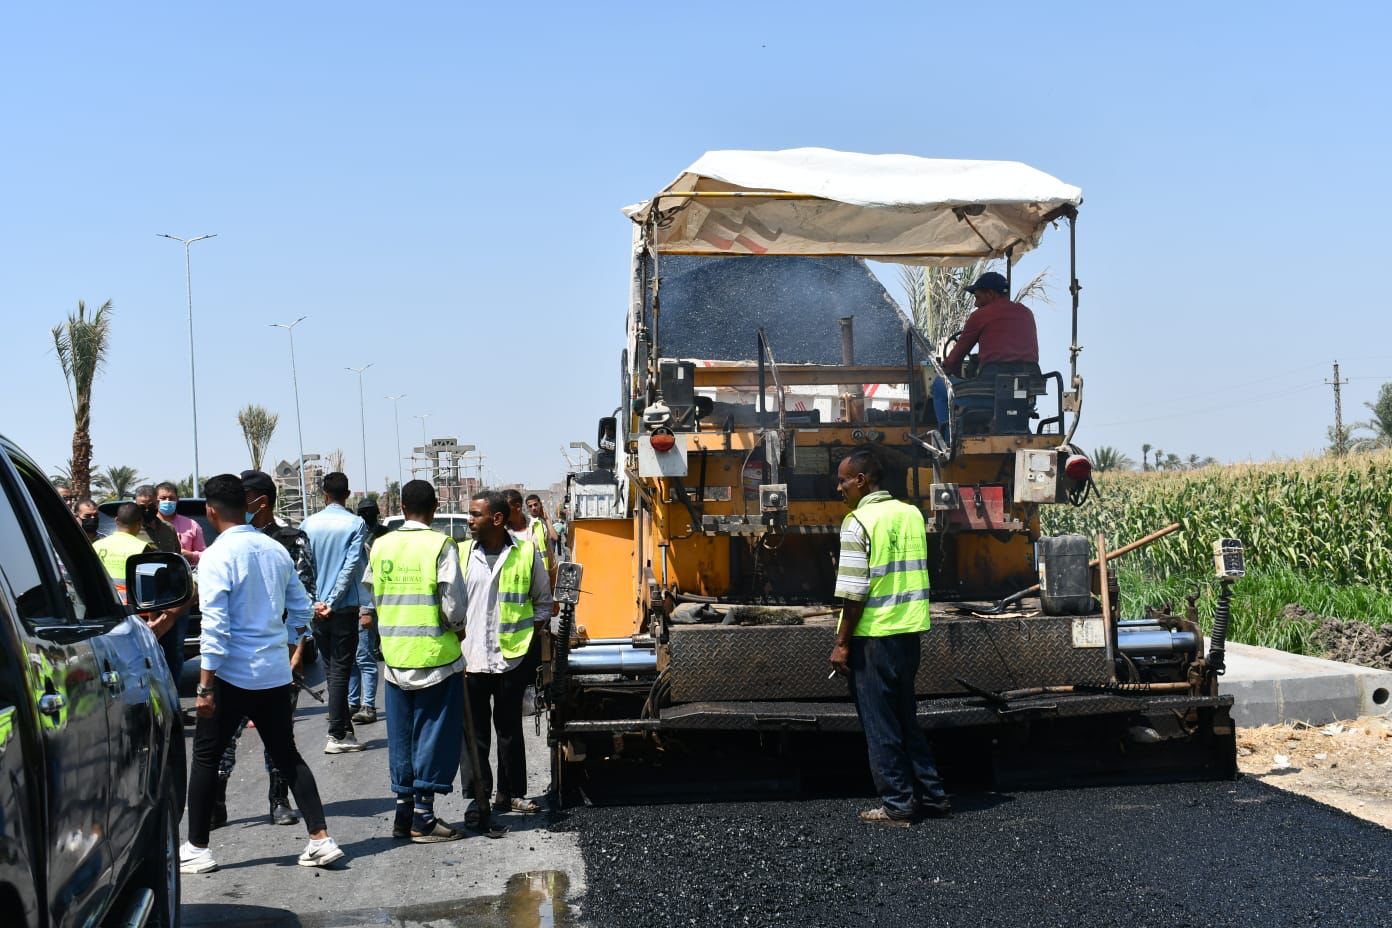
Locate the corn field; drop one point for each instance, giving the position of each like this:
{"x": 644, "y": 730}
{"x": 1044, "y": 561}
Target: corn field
{"x": 1326, "y": 519}
{"x": 1317, "y": 532}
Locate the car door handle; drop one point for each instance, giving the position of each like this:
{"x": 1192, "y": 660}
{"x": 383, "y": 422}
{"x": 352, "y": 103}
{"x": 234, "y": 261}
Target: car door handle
{"x": 112, "y": 679}
{"x": 51, "y": 703}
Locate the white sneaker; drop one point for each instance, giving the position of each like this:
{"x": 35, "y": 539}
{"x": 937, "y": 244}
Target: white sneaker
{"x": 196, "y": 859}
{"x": 345, "y": 745}
{"x": 320, "y": 853}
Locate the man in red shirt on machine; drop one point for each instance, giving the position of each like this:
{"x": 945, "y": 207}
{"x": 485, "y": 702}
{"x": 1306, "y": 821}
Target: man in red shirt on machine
{"x": 1002, "y": 328}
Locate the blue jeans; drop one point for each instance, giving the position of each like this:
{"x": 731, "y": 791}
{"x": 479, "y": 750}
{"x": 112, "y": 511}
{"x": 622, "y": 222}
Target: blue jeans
{"x": 882, "y": 685}
{"x": 425, "y": 733}
{"x": 365, "y": 669}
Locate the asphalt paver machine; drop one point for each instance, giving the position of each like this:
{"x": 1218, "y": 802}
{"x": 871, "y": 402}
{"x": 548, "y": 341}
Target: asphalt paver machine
{"x": 698, "y": 614}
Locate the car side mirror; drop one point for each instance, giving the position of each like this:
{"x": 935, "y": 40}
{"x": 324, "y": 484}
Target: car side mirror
{"x": 157, "y": 580}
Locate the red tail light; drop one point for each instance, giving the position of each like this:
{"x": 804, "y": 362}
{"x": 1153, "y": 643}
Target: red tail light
{"x": 663, "y": 440}
{"x": 1077, "y": 467}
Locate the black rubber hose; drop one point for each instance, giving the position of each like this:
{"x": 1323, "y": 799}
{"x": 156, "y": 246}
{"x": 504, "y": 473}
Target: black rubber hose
{"x": 1220, "y": 629}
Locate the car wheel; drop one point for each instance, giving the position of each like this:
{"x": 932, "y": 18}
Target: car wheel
{"x": 160, "y": 871}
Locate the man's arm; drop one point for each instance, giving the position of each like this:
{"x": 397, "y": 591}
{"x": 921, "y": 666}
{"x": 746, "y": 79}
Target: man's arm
{"x": 540, "y": 592}
{"x": 214, "y": 597}
{"x": 852, "y": 588}
{"x": 352, "y": 563}
{"x": 367, "y": 604}
{"x": 971, "y": 334}
{"x": 454, "y": 596}
{"x": 298, "y": 608}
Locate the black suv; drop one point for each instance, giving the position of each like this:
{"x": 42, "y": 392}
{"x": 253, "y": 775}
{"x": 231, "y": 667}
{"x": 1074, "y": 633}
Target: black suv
{"x": 91, "y": 746}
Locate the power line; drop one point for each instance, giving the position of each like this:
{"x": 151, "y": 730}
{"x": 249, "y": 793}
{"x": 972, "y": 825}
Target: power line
{"x": 1215, "y": 408}
{"x": 1340, "y": 437}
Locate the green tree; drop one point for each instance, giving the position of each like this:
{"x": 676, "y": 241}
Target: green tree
{"x": 258, "y": 425}
{"x": 81, "y": 345}
{"x": 1145, "y": 457}
{"x": 1108, "y": 458}
{"x": 1380, "y": 425}
{"x": 120, "y": 482}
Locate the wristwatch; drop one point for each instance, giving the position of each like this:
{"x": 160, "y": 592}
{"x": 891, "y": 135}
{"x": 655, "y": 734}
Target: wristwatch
{"x": 202, "y": 690}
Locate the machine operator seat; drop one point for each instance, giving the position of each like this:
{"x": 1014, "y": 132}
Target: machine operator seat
{"x": 1000, "y": 399}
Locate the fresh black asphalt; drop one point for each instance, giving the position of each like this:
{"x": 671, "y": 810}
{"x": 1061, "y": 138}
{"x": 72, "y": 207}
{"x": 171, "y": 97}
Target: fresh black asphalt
{"x": 1171, "y": 856}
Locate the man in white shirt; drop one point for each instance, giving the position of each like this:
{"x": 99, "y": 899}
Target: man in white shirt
{"x": 247, "y": 582}
{"x": 509, "y": 598}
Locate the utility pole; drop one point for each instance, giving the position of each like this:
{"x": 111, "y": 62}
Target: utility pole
{"x": 1340, "y": 438}
{"x": 362, "y": 421}
{"x": 193, "y": 379}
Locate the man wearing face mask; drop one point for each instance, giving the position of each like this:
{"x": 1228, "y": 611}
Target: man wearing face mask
{"x": 169, "y": 626}
{"x": 86, "y": 512}
{"x": 190, "y": 533}
{"x": 153, "y": 530}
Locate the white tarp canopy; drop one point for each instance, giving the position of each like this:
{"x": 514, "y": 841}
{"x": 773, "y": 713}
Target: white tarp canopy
{"x": 815, "y": 201}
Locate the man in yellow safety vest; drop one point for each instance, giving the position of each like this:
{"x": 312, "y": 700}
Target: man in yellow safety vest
{"x": 122, "y": 544}
{"x": 418, "y": 590}
{"x": 882, "y": 582}
{"x": 509, "y": 597}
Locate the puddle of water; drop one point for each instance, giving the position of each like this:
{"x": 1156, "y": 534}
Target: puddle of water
{"x": 535, "y": 899}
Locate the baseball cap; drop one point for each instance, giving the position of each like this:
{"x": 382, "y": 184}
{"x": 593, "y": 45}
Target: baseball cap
{"x": 990, "y": 281}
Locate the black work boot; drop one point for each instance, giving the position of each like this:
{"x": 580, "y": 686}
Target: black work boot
{"x": 281, "y": 813}
{"x": 219, "y": 803}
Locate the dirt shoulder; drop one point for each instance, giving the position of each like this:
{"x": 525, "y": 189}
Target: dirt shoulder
{"x": 1347, "y": 765}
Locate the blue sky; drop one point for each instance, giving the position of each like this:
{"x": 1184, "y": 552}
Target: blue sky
{"x": 438, "y": 187}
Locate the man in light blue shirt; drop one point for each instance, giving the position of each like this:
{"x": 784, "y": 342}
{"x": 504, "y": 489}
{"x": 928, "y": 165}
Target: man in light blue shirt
{"x": 247, "y": 582}
{"x": 339, "y": 540}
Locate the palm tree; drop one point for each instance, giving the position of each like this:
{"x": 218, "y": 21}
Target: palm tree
{"x": 117, "y": 482}
{"x": 1145, "y": 457}
{"x": 185, "y": 486}
{"x": 938, "y": 301}
{"x": 258, "y": 425}
{"x": 81, "y": 346}
{"x": 1108, "y": 458}
{"x": 1380, "y": 425}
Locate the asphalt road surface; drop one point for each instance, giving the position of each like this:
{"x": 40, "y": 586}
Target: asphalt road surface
{"x": 1176, "y": 855}
{"x": 522, "y": 879}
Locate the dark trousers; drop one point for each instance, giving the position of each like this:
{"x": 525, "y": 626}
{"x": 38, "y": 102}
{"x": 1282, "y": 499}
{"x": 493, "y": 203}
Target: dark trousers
{"x": 425, "y": 729}
{"x": 882, "y": 685}
{"x": 172, "y": 644}
{"x": 270, "y": 710}
{"x": 336, "y": 637}
{"x": 499, "y": 695}
{"x": 278, "y": 790}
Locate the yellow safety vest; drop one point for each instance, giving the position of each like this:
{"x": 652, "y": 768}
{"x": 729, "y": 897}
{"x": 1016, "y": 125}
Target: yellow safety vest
{"x": 114, "y": 550}
{"x": 540, "y": 540}
{"x": 406, "y": 589}
{"x": 514, "y": 597}
{"x": 898, "y": 600}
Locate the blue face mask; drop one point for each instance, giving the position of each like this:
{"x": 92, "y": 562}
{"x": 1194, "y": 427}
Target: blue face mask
{"x": 249, "y": 517}
{"x": 167, "y": 507}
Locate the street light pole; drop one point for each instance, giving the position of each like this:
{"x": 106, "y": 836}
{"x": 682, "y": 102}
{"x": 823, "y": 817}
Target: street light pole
{"x": 193, "y": 380}
{"x": 396, "y": 414}
{"x": 422, "y": 417}
{"x": 299, "y": 432}
{"x": 362, "y": 422}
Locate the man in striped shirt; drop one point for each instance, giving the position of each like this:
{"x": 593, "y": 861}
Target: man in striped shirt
{"x": 882, "y": 582}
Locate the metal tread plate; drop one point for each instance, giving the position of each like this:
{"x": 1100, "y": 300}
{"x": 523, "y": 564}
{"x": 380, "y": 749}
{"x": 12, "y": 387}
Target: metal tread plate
{"x": 721, "y": 663}
{"x": 941, "y": 713}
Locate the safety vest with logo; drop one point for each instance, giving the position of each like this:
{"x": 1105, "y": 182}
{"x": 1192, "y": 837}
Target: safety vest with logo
{"x": 114, "y": 550}
{"x": 514, "y": 597}
{"x": 898, "y": 600}
{"x": 406, "y": 588}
